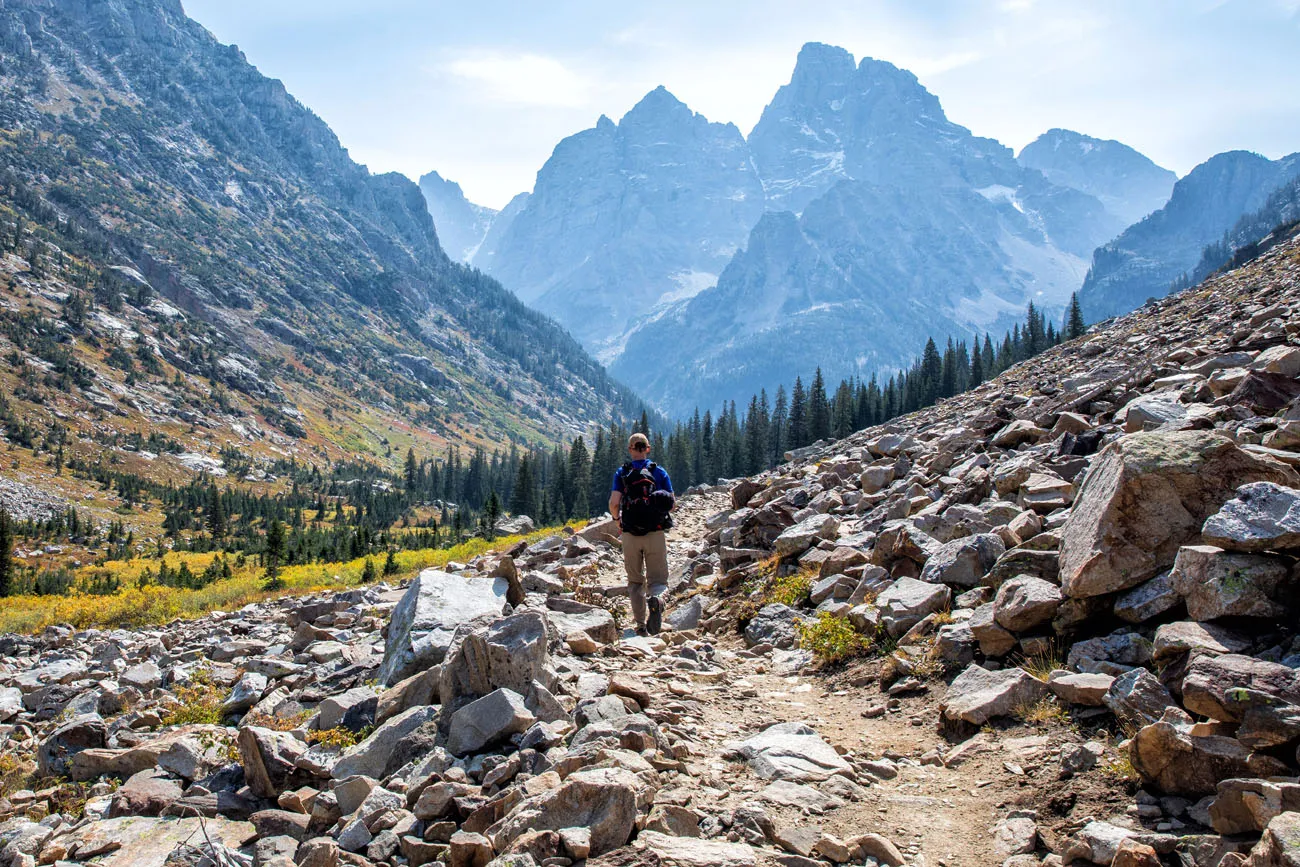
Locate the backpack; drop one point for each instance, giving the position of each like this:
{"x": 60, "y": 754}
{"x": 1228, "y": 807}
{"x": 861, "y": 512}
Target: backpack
{"x": 639, "y": 513}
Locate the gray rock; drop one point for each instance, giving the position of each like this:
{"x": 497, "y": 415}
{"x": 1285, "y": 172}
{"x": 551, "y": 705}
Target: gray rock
{"x": 246, "y": 692}
{"x": 1173, "y": 640}
{"x": 774, "y": 625}
{"x": 790, "y": 751}
{"x": 905, "y": 602}
{"x": 1147, "y": 600}
{"x": 963, "y": 562}
{"x": 1247, "y": 806}
{"x": 70, "y": 738}
{"x": 1210, "y": 678}
{"x": 685, "y": 616}
{"x": 1218, "y": 584}
{"x": 354, "y": 708}
{"x": 487, "y": 720}
{"x": 11, "y": 702}
{"x": 1110, "y": 654}
{"x": 994, "y": 640}
{"x": 1151, "y": 411}
{"x": 1280, "y": 844}
{"x": 1025, "y": 602}
{"x": 370, "y": 758}
{"x": 1178, "y": 762}
{"x": 511, "y": 654}
{"x": 269, "y": 759}
{"x": 978, "y": 695}
{"x": 604, "y": 801}
{"x": 793, "y": 541}
{"x": 1137, "y": 698}
{"x": 1084, "y": 689}
{"x": 425, "y": 619}
{"x": 1262, "y": 517}
{"x": 955, "y": 643}
{"x": 142, "y": 676}
{"x": 596, "y": 623}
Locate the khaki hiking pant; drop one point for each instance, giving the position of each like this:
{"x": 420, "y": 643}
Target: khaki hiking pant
{"x": 646, "y": 560}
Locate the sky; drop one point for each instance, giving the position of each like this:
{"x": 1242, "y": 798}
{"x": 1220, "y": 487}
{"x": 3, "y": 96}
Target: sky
{"x": 483, "y": 91}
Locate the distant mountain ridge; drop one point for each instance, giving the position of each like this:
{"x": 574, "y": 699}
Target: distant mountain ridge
{"x": 1127, "y": 183}
{"x": 1149, "y": 256}
{"x": 461, "y": 224}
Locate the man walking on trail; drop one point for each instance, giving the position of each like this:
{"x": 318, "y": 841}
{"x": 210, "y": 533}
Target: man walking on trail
{"x": 641, "y": 499}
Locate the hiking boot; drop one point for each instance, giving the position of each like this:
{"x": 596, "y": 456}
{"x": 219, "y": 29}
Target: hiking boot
{"x": 641, "y": 632}
{"x": 655, "y": 621}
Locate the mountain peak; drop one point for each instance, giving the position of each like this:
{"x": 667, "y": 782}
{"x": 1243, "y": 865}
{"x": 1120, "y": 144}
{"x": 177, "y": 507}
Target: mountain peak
{"x": 823, "y": 62}
{"x": 657, "y": 106}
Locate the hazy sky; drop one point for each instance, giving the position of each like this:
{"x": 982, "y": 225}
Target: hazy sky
{"x": 482, "y": 91}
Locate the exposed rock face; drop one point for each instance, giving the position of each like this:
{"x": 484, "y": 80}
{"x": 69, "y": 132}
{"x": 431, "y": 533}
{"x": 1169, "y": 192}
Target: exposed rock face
{"x": 461, "y": 225}
{"x": 1145, "y": 496}
{"x": 650, "y": 208}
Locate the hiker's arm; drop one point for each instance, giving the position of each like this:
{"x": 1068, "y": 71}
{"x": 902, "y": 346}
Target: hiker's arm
{"x": 615, "y": 498}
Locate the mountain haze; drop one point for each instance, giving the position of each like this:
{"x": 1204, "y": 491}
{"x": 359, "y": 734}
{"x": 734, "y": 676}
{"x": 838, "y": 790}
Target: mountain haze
{"x": 1149, "y": 256}
{"x": 461, "y": 225}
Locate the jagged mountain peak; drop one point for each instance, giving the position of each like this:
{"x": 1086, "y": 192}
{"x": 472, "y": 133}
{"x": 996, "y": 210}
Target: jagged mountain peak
{"x": 1128, "y": 183}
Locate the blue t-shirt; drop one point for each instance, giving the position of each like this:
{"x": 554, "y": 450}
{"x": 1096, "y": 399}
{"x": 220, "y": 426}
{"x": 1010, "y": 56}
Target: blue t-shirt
{"x": 662, "y": 482}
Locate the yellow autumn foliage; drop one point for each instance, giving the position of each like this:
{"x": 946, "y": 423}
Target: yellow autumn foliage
{"x": 134, "y": 606}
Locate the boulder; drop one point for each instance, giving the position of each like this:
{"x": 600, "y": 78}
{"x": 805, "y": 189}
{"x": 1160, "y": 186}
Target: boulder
{"x": 427, "y": 615}
{"x": 1150, "y": 411}
{"x": 1183, "y": 637}
{"x": 1262, "y": 517}
{"x": 1178, "y": 762}
{"x": 993, "y": 639}
{"x": 1247, "y": 806}
{"x": 1147, "y": 600}
{"x": 602, "y": 800}
{"x": 140, "y": 841}
{"x": 1025, "y": 602}
{"x": 486, "y": 721}
{"x": 57, "y": 749}
{"x": 963, "y": 562}
{"x": 1145, "y": 495}
{"x": 1110, "y": 654}
{"x": 1209, "y": 678}
{"x": 1282, "y": 359}
{"x": 876, "y": 478}
{"x": 269, "y": 759}
{"x": 1218, "y": 584}
{"x": 1280, "y": 845}
{"x": 147, "y": 793}
{"x": 371, "y": 757}
{"x": 1137, "y": 698}
{"x": 1084, "y": 689}
{"x": 978, "y": 695}
{"x": 511, "y": 653}
{"x": 793, "y": 541}
{"x": 1266, "y": 720}
{"x": 247, "y": 692}
{"x": 774, "y": 625}
{"x": 352, "y": 709}
{"x": 905, "y": 602}
{"x": 790, "y": 751}
{"x": 1017, "y": 433}
{"x": 671, "y": 851}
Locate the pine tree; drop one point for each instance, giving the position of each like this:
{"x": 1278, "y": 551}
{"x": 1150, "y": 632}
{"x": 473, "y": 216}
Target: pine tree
{"x": 522, "y": 500}
{"x": 931, "y": 373}
{"x": 412, "y": 471}
{"x": 390, "y": 564}
{"x": 216, "y": 514}
{"x": 797, "y": 424}
{"x": 776, "y": 432}
{"x": 491, "y": 513}
{"x": 976, "y": 369}
{"x": 576, "y": 499}
{"x": 368, "y": 575}
{"x": 819, "y": 409}
{"x": 274, "y": 552}
{"x": 6, "y": 554}
{"x": 1074, "y": 324}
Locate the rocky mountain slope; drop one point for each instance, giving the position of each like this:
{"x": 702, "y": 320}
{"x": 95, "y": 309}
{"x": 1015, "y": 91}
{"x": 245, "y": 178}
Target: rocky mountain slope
{"x": 1129, "y": 184}
{"x": 1150, "y": 256}
{"x": 461, "y": 225}
{"x": 190, "y": 252}
{"x": 1060, "y": 609}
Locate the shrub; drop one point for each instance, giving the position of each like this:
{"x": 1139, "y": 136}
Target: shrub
{"x": 792, "y": 590}
{"x": 200, "y": 701}
{"x": 1042, "y": 712}
{"x": 1041, "y": 665}
{"x": 831, "y": 638}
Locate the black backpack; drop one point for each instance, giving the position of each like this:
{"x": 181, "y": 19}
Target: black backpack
{"x": 640, "y": 511}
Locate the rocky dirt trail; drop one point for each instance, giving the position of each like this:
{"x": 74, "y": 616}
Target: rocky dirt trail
{"x": 1051, "y": 621}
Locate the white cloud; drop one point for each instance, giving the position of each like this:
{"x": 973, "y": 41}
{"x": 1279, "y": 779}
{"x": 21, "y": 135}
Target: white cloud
{"x": 520, "y": 79}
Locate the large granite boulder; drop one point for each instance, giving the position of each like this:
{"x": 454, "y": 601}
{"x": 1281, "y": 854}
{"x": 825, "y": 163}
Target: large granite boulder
{"x": 427, "y": 615}
{"x": 978, "y": 695}
{"x": 963, "y": 562}
{"x": 1216, "y": 583}
{"x": 790, "y": 751}
{"x": 1262, "y": 517}
{"x": 1145, "y": 495}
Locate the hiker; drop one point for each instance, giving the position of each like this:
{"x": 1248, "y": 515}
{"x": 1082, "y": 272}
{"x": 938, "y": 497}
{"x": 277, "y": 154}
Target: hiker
{"x": 641, "y": 499}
